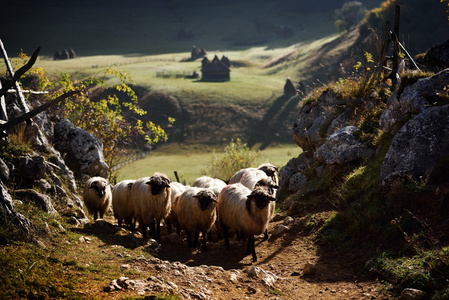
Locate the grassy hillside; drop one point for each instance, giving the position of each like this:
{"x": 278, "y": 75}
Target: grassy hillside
{"x": 254, "y": 78}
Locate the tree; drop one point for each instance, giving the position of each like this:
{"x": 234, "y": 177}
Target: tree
{"x": 349, "y": 15}
{"x": 100, "y": 112}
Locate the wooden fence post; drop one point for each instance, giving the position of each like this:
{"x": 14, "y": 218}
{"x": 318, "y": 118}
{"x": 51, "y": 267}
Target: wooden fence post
{"x": 20, "y": 96}
{"x": 396, "y": 49}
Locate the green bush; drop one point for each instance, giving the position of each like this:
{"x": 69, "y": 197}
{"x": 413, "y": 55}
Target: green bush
{"x": 237, "y": 155}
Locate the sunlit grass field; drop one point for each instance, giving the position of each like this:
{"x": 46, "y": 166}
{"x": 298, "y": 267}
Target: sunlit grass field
{"x": 192, "y": 163}
{"x": 253, "y": 78}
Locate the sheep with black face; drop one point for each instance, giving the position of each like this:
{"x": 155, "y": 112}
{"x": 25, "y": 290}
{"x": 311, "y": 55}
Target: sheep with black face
{"x": 245, "y": 211}
{"x": 97, "y": 196}
{"x": 151, "y": 199}
{"x": 196, "y": 211}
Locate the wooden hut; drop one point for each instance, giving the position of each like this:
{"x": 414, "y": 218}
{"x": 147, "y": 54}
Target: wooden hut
{"x": 215, "y": 70}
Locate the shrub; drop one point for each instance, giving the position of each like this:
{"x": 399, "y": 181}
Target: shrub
{"x": 237, "y": 155}
{"x": 349, "y": 15}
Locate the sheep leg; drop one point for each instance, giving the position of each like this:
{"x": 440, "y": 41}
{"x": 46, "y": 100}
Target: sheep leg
{"x": 169, "y": 226}
{"x": 153, "y": 229}
{"x": 204, "y": 240}
{"x": 189, "y": 238}
{"x": 158, "y": 230}
{"x": 196, "y": 237}
{"x": 143, "y": 229}
{"x": 95, "y": 215}
{"x": 265, "y": 234}
{"x": 226, "y": 236}
{"x": 252, "y": 247}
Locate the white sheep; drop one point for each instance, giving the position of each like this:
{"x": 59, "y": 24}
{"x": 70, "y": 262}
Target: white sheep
{"x": 245, "y": 211}
{"x": 257, "y": 178}
{"x": 151, "y": 198}
{"x": 267, "y": 168}
{"x": 122, "y": 203}
{"x": 197, "y": 211}
{"x": 215, "y": 184}
{"x": 172, "y": 220}
{"x": 97, "y": 196}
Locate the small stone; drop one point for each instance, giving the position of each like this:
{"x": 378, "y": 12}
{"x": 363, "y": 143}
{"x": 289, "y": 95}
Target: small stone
{"x": 288, "y": 221}
{"x": 412, "y": 294}
{"x": 279, "y": 230}
{"x": 309, "y": 269}
{"x": 251, "y": 290}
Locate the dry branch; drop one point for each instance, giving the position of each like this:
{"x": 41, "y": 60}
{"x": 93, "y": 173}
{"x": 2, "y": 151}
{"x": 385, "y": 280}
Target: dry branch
{"x": 28, "y": 115}
{"x": 10, "y": 83}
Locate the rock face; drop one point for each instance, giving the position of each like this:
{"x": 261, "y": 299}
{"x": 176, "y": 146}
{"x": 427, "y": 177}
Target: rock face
{"x": 40, "y": 177}
{"x": 417, "y": 147}
{"x": 327, "y": 134}
{"x": 309, "y": 130}
{"x": 341, "y": 147}
{"x": 22, "y": 226}
{"x": 437, "y": 58}
{"x": 84, "y": 151}
{"x": 414, "y": 99}
{"x": 417, "y": 117}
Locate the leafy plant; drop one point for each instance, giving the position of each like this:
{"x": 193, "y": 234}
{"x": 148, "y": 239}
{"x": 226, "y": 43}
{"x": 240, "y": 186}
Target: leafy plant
{"x": 237, "y": 155}
{"x": 100, "y": 112}
{"x": 349, "y": 15}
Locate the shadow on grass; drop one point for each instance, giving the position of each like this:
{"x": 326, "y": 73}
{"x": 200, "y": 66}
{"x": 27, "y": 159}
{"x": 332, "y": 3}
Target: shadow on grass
{"x": 281, "y": 111}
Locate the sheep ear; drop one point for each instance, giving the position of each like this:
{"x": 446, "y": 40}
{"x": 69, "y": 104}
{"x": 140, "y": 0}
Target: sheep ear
{"x": 130, "y": 185}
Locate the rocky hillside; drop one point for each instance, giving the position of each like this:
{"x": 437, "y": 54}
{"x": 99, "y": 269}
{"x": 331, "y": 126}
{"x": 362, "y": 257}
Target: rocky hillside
{"x": 406, "y": 131}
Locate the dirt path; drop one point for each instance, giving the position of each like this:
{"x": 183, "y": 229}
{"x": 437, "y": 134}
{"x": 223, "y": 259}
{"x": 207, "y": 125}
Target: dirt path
{"x": 290, "y": 266}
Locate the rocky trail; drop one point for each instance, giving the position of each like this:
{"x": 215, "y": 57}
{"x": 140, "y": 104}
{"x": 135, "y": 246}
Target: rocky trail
{"x": 290, "y": 266}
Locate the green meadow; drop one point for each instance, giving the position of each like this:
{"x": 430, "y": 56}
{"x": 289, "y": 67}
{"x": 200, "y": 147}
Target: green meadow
{"x": 193, "y": 163}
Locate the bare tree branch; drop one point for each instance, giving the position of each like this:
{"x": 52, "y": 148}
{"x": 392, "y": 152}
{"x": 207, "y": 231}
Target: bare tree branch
{"x": 34, "y": 112}
{"x": 10, "y": 83}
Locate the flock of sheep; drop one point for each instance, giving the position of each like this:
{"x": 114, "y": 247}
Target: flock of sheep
{"x": 245, "y": 205}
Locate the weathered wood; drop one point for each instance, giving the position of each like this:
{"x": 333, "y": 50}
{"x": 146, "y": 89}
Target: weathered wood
{"x": 30, "y": 114}
{"x": 16, "y": 84}
{"x": 11, "y": 91}
{"x": 395, "y": 40}
{"x": 11, "y": 82}
{"x": 384, "y": 51}
{"x": 3, "y": 114}
{"x": 409, "y": 56}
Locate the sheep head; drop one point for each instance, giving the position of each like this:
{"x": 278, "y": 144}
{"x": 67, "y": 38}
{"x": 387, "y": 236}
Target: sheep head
{"x": 269, "y": 169}
{"x": 205, "y": 198}
{"x": 99, "y": 187}
{"x": 261, "y": 198}
{"x": 266, "y": 183}
{"x": 158, "y": 183}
